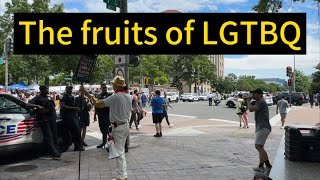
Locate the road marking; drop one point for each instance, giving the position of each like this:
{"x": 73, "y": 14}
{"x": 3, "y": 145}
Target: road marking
{"x": 98, "y": 135}
{"x": 228, "y": 121}
{"x": 277, "y": 118}
{"x": 179, "y": 115}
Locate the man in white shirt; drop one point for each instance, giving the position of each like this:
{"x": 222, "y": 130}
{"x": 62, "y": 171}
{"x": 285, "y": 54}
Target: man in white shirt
{"x": 120, "y": 104}
{"x": 210, "y": 98}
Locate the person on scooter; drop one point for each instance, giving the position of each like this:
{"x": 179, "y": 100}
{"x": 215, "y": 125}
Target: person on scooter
{"x": 217, "y": 98}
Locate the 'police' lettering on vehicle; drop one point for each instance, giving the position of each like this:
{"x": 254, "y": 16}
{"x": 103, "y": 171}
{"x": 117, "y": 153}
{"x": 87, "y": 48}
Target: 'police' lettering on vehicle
{"x": 9, "y": 129}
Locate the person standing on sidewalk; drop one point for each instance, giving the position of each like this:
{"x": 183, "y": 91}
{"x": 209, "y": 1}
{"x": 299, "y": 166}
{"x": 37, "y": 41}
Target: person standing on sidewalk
{"x": 157, "y": 111}
{"x": 263, "y": 128}
{"x": 120, "y": 104}
{"x": 282, "y": 105}
{"x": 103, "y": 115}
{"x": 311, "y": 99}
{"x": 165, "y": 109}
{"x": 210, "y": 96}
{"x": 46, "y": 115}
{"x": 85, "y": 106}
{"x": 240, "y": 110}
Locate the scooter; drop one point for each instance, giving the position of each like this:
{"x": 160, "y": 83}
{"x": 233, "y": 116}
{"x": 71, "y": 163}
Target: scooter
{"x": 217, "y": 102}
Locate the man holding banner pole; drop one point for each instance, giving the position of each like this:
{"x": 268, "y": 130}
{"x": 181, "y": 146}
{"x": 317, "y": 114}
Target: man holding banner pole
{"x": 120, "y": 110}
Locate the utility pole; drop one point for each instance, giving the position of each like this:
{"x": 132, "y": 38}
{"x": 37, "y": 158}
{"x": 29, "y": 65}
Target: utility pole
{"x": 6, "y": 60}
{"x": 124, "y": 9}
{"x": 294, "y": 73}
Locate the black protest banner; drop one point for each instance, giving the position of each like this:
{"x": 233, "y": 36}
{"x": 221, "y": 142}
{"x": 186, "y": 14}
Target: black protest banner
{"x": 85, "y": 68}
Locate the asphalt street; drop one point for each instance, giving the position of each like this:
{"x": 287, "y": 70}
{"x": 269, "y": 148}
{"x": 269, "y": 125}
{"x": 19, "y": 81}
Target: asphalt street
{"x": 202, "y": 110}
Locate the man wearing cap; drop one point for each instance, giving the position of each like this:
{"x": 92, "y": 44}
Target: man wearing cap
{"x": 120, "y": 104}
{"x": 103, "y": 115}
{"x": 263, "y": 128}
{"x": 46, "y": 115}
{"x": 69, "y": 110}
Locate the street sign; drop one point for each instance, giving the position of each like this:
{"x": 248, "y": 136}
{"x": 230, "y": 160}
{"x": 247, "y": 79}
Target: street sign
{"x": 120, "y": 71}
{"x": 118, "y": 60}
{"x": 111, "y": 7}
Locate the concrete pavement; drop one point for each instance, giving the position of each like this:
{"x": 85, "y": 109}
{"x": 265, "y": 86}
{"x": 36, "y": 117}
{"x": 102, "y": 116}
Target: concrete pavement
{"x": 193, "y": 149}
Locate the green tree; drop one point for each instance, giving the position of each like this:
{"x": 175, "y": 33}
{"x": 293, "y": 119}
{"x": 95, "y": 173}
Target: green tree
{"x": 315, "y": 85}
{"x": 265, "y": 6}
{"x": 302, "y": 82}
{"x": 28, "y": 67}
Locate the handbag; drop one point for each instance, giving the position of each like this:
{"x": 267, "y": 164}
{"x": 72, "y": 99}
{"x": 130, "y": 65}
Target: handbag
{"x": 113, "y": 153}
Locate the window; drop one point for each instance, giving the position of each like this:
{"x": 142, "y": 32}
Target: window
{"x": 9, "y": 107}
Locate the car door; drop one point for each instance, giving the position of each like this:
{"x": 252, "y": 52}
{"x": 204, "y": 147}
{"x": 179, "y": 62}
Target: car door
{"x": 16, "y": 124}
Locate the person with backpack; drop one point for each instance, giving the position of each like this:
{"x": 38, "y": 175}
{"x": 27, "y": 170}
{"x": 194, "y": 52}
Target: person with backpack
{"x": 240, "y": 110}
{"x": 165, "y": 109}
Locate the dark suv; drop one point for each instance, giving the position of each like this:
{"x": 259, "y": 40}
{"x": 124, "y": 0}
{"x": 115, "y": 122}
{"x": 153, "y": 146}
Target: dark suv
{"x": 296, "y": 98}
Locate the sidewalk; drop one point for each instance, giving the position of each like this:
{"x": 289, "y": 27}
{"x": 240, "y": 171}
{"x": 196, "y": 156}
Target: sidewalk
{"x": 193, "y": 149}
{"x": 284, "y": 169}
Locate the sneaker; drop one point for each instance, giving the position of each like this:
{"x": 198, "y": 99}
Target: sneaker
{"x": 171, "y": 125}
{"x": 139, "y": 126}
{"x": 157, "y": 135}
{"x": 130, "y": 127}
{"x": 160, "y": 134}
{"x": 56, "y": 156}
{"x": 259, "y": 169}
{"x": 84, "y": 143}
{"x": 282, "y": 127}
{"x": 138, "y": 129}
{"x": 101, "y": 145}
{"x": 267, "y": 171}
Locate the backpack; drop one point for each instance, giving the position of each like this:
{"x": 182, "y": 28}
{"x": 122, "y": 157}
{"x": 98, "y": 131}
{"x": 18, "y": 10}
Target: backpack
{"x": 243, "y": 107}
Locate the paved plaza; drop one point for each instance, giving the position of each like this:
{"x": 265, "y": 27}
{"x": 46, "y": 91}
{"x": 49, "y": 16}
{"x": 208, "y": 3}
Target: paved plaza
{"x": 193, "y": 149}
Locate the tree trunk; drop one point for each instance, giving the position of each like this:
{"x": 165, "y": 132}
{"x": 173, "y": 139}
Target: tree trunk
{"x": 46, "y": 81}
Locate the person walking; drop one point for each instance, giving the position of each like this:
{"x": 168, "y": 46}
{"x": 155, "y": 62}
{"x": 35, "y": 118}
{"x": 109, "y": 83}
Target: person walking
{"x": 157, "y": 111}
{"x": 103, "y": 115}
{"x": 144, "y": 99}
{"x": 210, "y": 96}
{"x": 240, "y": 110}
{"x": 282, "y": 105}
{"x": 135, "y": 110}
{"x": 120, "y": 104}
{"x": 263, "y": 128}
{"x": 85, "y": 120}
{"x": 46, "y": 115}
{"x": 165, "y": 109}
{"x": 311, "y": 99}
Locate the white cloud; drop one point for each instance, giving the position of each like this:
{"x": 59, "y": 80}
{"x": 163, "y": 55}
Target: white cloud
{"x": 72, "y": 10}
{"x": 231, "y": 1}
{"x": 232, "y": 11}
{"x": 253, "y": 62}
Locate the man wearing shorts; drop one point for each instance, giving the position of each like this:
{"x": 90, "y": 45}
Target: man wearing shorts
{"x": 282, "y": 105}
{"x": 157, "y": 110}
{"x": 263, "y": 128}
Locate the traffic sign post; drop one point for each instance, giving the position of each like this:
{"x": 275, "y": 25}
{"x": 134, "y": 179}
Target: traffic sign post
{"x": 120, "y": 60}
{"x": 120, "y": 71}
{"x": 112, "y": 4}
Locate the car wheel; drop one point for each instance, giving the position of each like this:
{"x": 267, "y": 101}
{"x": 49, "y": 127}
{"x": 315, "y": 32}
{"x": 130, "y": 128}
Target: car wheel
{"x": 295, "y": 103}
{"x": 184, "y": 100}
{"x": 230, "y": 104}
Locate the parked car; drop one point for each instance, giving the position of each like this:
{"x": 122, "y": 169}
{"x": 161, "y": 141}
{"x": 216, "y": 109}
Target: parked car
{"x": 268, "y": 98}
{"x": 296, "y": 98}
{"x": 203, "y": 97}
{"x": 173, "y": 96}
{"x": 191, "y": 97}
{"x": 19, "y": 129}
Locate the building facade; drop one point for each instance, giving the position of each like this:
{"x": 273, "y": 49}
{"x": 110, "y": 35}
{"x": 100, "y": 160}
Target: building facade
{"x": 218, "y": 61}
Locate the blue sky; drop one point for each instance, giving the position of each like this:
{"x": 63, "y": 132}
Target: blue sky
{"x": 261, "y": 66}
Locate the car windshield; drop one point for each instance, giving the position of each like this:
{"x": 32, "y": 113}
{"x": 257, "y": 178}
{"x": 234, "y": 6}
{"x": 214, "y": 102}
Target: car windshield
{"x": 170, "y": 94}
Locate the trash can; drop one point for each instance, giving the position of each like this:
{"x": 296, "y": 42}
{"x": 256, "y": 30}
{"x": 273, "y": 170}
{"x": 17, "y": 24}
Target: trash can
{"x": 302, "y": 143}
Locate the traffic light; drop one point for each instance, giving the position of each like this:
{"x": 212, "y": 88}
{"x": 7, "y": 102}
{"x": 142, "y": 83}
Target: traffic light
{"x": 134, "y": 60}
{"x": 289, "y": 82}
{"x": 9, "y": 46}
{"x": 146, "y": 81}
{"x": 289, "y": 71}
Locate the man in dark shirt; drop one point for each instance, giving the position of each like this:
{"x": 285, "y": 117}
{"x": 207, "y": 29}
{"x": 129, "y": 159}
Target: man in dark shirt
{"x": 46, "y": 115}
{"x": 103, "y": 115}
{"x": 69, "y": 113}
{"x": 263, "y": 128}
